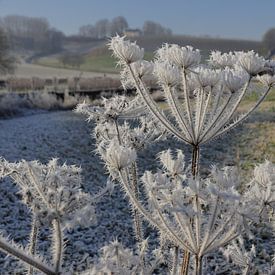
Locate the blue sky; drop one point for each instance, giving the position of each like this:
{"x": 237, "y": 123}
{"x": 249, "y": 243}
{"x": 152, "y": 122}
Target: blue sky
{"x": 247, "y": 19}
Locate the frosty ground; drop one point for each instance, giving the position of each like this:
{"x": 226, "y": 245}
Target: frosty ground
{"x": 67, "y": 136}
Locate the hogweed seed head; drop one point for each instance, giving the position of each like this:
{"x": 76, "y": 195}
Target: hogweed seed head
{"x": 167, "y": 74}
{"x": 127, "y": 52}
{"x": 118, "y": 157}
{"x": 182, "y": 57}
{"x": 235, "y": 79}
{"x": 251, "y": 62}
{"x": 207, "y": 77}
{"x": 143, "y": 68}
{"x": 267, "y": 80}
{"x": 221, "y": 61}
{"x": 200, "y": 106}
{"x": 52, "y": 191}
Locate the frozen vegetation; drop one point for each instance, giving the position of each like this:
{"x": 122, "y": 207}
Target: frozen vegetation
{"x": 156, "y": 192}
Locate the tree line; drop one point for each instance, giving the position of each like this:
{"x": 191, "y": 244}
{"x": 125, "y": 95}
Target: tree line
{"x": 106, "y": 28}
{"x": 31, "y": 33}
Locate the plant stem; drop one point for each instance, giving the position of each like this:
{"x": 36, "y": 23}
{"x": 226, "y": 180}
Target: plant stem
{"x": 33, "y": 239}
{"x": 194, "y": 170}
{"x": 137, "y": 219}
{"x": 118, "y": 134}
{"x": 198, "y": 265}
{"x": 195, "y": 160}
{"x": 23, "y": 256}
{"x": 58, "y": 245}
{"x": 175, "y": 261}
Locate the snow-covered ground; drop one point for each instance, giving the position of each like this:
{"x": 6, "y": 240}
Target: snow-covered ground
{"x": 67, "y": 136}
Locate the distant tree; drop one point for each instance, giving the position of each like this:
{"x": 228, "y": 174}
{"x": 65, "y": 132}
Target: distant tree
{"x": 102, "y": 28}
{"x": 151, "y": 28}
{"x": 55, "y": 40}
{"x": 32, "y": 33}
{"x": 71, "y": 60}
{"x": 88, "y": 31}
{"x": 7, "y": 62}
{"x": 269, "y": 40}
{"x": 118, "y": 25}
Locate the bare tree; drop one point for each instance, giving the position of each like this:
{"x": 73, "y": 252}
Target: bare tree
{"x": 32, "y": 33}
{"x": 151, "y": 28}
{"x": 7, "y": 62}
{"x": 269, "y": 40}
{"x": 102, "y": 28}
{"x": 55, "y": 41}
{"x": 88, "y": 31}
{"x": 118, "y": 25}
{"x": 72, "y": 60}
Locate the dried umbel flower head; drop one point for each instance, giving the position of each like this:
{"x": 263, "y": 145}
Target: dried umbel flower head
{"x": 251, "y": 62}
{"x": 116, "y": 259}
{"x": 207, "y": 77}
{"x": 267, "y": 79}
{"x": 235, "y": 79}
{"x": 202, "y": 101}
{"x": 260, "y": 197}
{"x": 175, "y": 167}
{"x": 221, "y": 61}
{"x": 237, "y": 253}
{"x": 126, "y": 51}
{"x": 183, "y": 57}
{"x": 52, "y": 191}
{"x": 143, "y": 68}
{"x": 117, "y": 107}
{"x": 118, "y": 157}
{"x": 199, "y": 215}
{"x": 167, "y": 74}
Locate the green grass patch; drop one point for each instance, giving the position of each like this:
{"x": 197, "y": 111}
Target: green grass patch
{"x": 104, "y": 63}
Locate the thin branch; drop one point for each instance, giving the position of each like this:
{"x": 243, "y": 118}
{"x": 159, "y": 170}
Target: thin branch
{"x": 25, "y": 257}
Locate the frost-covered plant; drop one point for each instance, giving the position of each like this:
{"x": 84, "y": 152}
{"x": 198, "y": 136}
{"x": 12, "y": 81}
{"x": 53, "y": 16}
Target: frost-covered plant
{"x": 195, "y": 214}
{"x": 53, "y": 193}
{"x": 118, "y": 140}
{"x": 202, "y": 99}
{"x": 237, "y": 253}
{"x": 116, "y": 260}
{"x": 261, "y": 192}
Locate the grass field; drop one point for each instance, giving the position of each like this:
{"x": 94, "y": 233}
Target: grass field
{"x": 102, "y": 62}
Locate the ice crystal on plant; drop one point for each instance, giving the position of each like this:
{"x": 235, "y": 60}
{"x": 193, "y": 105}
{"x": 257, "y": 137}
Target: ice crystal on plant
{"x": 202, "y": 100}
{"x": 118, "y": 156}
{"x": 251, "y": 62}
{"x": 240, "y": 256}
{"x": 221, "y": 61}
{"x": 125, "y": 50}
{"x": 183, "y": 57}
{"x": 118, "y": 260}
{"x": 52, "y": 191}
